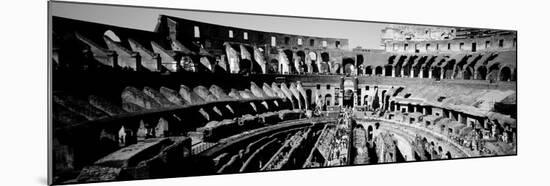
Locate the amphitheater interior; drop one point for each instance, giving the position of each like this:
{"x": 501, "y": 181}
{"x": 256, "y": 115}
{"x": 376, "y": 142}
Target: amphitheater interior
{"x": 185, "y": 100}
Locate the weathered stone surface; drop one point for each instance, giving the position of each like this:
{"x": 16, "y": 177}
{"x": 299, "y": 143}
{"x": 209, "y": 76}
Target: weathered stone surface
{"x": 105, "y": 106}
{"x": 267, "y": 89}
{"x": 137, "y": 97}
{"x": 257, "y": 91}
{"x": 234, "y": 93}
{"x": 247, "y": 94}
{"x": 79, "y": 106}
{"x": 130, "y": 107}
{"x": 63, "y": 116}
{"x": 157, "y": 96}
{"x": 219, "y": 93}
{"x": 190, "y": 96}
{"x": 204, "y": 93}
{"x": 172, "y": 96}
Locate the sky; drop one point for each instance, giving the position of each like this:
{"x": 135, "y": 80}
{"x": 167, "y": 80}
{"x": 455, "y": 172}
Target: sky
{"x": 366, "y": 35}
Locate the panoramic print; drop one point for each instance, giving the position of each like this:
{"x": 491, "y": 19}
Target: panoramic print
{"x": 142, "y": 93}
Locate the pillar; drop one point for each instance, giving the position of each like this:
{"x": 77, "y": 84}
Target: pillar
{"x": 356, "y": 91}
{"x": 341, "y": 92}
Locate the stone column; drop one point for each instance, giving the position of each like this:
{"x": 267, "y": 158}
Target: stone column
{"x": 430, "y": 74}
{"x": 341, "y": 92}
{"x": 357, "y": 99}
{"x": 113, "y": 58}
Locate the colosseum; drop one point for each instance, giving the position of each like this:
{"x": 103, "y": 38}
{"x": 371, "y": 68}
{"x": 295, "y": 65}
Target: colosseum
{"x": 194, "y": 98}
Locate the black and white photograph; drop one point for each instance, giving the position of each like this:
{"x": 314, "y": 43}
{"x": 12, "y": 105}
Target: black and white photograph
{"x": 274, "y": 93}
{"x": 160, "y": 93}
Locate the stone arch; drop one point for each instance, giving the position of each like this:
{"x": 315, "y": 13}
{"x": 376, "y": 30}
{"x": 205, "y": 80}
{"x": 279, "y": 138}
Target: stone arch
{"x": 328, "y": 99}
{"x": 290, "y": 56}
{"x": 389, "y": 69}
{"x": 448, "y": 69}
{"x": 467, "y": 73}
{"x": 349, "y": 65}
{"x": 493, "y": 74}
{"x": 273, "y": 66}
{"x": 313, "y": 56}
{"x": 448, "y": 155}
{"x": 325, "y": 57}
{"x": 378, "y": 70}
{"x": 368, "y": 70}
{"x": 302, "y": 56}
{"x": 309, "y": 99}
{"x": 481, "y": 73}
{"x": 398, "y": 67}
{"x": 505, "y": 74}
{"x": 436, "y": 72}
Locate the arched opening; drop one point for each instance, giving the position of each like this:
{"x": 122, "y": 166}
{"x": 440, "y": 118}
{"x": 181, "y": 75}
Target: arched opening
{"x": 369, "y": 133}
{"x": 368, "y": 70}
{"x": 289, "y": 56}
{"x": 425, "y": 72}
{"x": 302, "y": 57}
{"x": 247, "y": 65}
{"x": 348, "y": 98}
{"x": 505, "y": 74}
{"x": 360, "y": 59}
{"x": 493, "y": 72}
{"x": 448, "y": 69}
{"x": 366, "y": 100}
{"x": 398, "y": 66}
{"x": 272, "y": 67}
{"x": 349, "y": 65}
{"x": 328, "y": 99}
{"x": 313, "y": 57}
{"x": 325, "y": 57}
{"x": 436, "y": 73}
{"x": 388, "y": 70}
{"x": 378, "y": 70}
{"x": 448, "y": 154}
{"x": 481, "y": 72}
{"x": 467, "y": 74}
{"x": 309, "y": 98}
{"x": 408, "y": 66}
{"x": 392, "y": 106}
